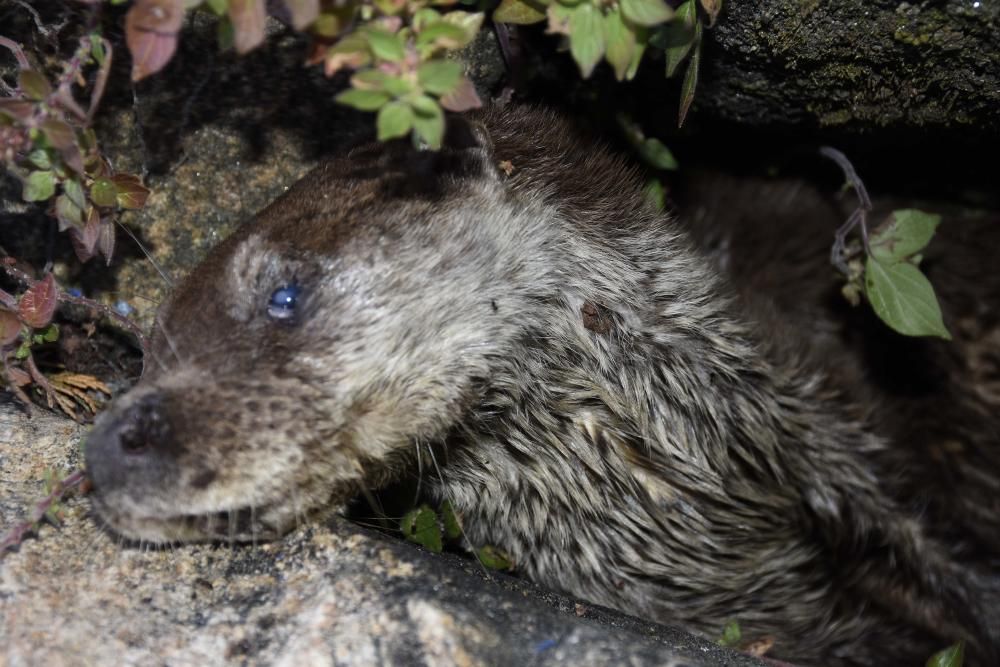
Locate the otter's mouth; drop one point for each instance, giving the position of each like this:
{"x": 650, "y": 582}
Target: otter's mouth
{"x": 240, "y": 524}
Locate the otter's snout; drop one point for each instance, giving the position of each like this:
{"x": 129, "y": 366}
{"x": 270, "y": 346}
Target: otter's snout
{"x": 133, "y": 447}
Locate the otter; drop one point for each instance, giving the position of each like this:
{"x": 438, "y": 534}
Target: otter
{"x": 640, "y": 415}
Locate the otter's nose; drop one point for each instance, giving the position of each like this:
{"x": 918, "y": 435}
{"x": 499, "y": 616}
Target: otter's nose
{"x": 132, "y": 446}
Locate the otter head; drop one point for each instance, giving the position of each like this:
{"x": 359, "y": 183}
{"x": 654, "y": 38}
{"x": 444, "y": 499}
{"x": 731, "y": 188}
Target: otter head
{"x": 310, "y": 352}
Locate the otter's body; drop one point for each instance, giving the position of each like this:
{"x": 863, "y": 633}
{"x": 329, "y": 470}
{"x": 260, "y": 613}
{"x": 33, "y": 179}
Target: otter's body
{"x": 632, "y": 427}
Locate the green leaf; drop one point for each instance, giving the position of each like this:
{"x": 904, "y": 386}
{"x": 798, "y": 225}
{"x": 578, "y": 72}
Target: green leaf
{"x": 218, "y": 7}
{"x": 39, "y": 186}
{"x": 620, "y": 43}
{"x": 385, "y": 45}
{"x": 655, "y": 194}
{"x": 103, "y": 192}
{"x": 33, "y": 84}
{"x": 468, "y": 22}
{"x": 40, "y": 158}
{"x": 646, "y": 12}
{"x": 428, "y": 121}
{"x": 439, "y": 77}
{"x": 394, "y": 120}
{"x": 68, "y": 213}
{"x": 586, "y": 37}
{"x": 690, "y": 78}
{"x": 677, "y": 37}
{"x": 656, "y": 155}
{"x": 905, "y": 233}
{"x": 520, "y": 12}
{"x": 51, "y": 333}
{"x": 74, "y": 191}
{"x": 23, "y": 350}
{"x": 97, "y": 49}
{"x": 421, "y": 526}
{"x": 904, "y": 299}
{"x": 397, "y": 86}
{"x": 452, "y": 526}
{"x": 493, "y": 558}
{"x": 731, "y": 634}
{"x": 441, "y": 34}
{"x": 363, "y": 100}
{"x": 953, "y": 656}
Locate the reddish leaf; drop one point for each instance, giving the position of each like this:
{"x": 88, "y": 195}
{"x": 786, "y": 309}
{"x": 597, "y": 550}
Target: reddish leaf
{"x": 38, "y": 303}
{"x": 10, "y": 326}
{"x": 151, "y": 28}
{"x": 17, "y": 109}
{"x": 59, "y": 134}
{"x": 462, "y": 98}
{"x": 19, "y": 378}
{"x": 85, "y": 238}
{"x": 303, "y": 12}
{"x": 131, "y": 192}
{"x": 248, "y": 23}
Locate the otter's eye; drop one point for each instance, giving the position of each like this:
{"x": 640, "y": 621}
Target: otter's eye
{"x": 282, "y": 303}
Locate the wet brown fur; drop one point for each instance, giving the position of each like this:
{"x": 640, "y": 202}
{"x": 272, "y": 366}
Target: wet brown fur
{"x": 679, "y": 421}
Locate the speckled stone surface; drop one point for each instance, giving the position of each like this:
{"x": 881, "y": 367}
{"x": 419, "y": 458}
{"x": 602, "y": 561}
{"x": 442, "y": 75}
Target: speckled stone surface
{"x": 327, "y": 594}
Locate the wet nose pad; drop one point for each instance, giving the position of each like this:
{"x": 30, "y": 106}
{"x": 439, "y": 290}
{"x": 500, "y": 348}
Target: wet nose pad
{"x": 131, "y": 447}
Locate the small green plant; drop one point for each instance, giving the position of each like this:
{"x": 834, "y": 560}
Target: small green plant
{"x": 731, "y": 635}
{"x": 433, "y": 529}
{"x": 884, "y": 268}
{"x": 620, "y": 32}
{"x": 953, "y": 656}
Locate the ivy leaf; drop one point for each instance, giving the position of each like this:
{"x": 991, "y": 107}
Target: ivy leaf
{"x": 519, "y": 12}
{"x": 690, "y": 78}
{"x": 620, "y": 43}
{"x": 953, "y": 656}
{"x": 493, "y": 558}
{"x": 428, "y": 121}
{"x": 38, "y": 303}
{"x": 646, "y": 12}
{"x": 39, "y": 186}
{"x": 303, "y": 12}
{"x": 904, "y": 299}
{"x": 385, "y": 45}
{"x": 247, "y": 17}
{"x": 586, "y": 37}
{"x": 151, "y": 28}
{"x": 363, "y": 100}
{"x": 905, "y": 233}
{"x": 439, "y": 77}
{"x": 10, "y": 327}
{"x": 395, "y": 119}
{"x": 421, "y": 526}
